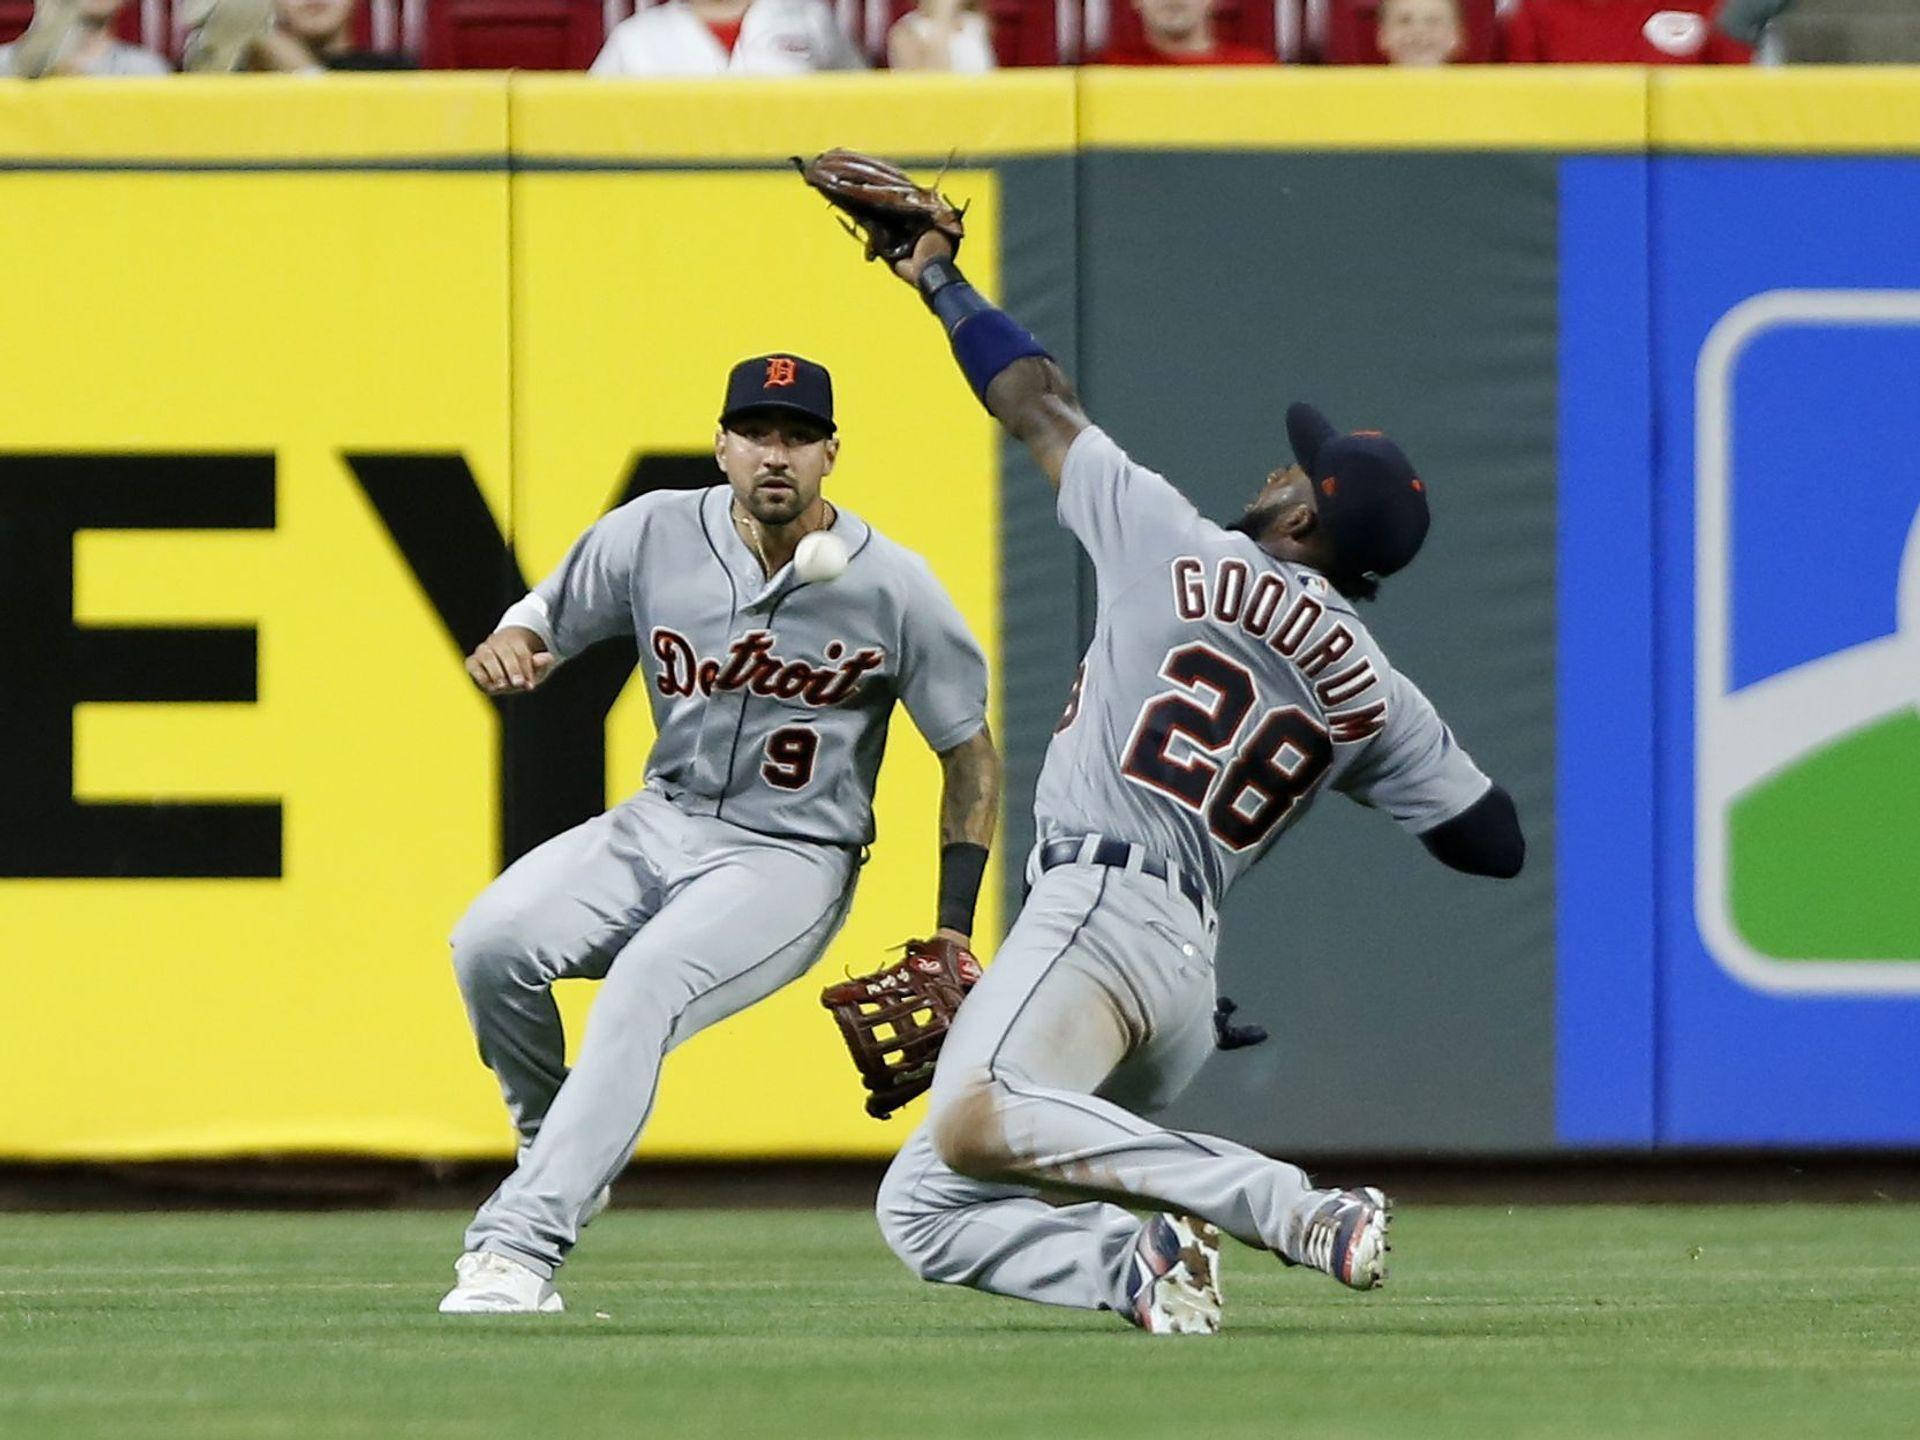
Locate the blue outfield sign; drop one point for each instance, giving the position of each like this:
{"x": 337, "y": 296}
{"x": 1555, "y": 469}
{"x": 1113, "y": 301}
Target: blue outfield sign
{"x": 1807, "y": 641}
{"x": 1782, "y": 812}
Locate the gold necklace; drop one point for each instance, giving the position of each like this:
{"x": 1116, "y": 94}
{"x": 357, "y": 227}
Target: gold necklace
{"x": 750, "y": 532}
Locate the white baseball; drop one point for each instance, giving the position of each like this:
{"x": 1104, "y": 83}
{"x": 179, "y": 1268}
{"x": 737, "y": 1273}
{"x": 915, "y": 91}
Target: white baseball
{"x": 820, "y": 555}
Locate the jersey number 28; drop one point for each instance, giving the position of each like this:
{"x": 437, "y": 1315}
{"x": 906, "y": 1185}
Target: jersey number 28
{"x": 1181, "y": 742}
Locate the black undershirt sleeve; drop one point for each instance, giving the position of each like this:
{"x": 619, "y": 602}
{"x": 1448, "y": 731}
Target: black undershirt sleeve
{"x": 1483, "y": 839}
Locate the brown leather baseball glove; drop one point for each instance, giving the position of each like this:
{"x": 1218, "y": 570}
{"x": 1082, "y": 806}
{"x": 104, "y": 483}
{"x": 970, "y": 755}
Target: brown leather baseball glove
{"x": 884, "y": 209}
{"x": 895, "y": 1019}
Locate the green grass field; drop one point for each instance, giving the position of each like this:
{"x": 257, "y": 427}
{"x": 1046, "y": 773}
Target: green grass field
{"x": 1769, "y": 1321}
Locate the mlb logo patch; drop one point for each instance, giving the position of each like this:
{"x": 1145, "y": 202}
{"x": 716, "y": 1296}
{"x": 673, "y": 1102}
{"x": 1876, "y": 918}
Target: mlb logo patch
{"x": 1807, "y": 642}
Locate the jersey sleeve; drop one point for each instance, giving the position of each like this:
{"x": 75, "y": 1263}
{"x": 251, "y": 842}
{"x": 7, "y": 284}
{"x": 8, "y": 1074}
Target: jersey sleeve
{"x": 1124, "y": 514}
{"x": 1414, "y": 769}
{"x": 589, "y": 597}
{"x": 943, "y": 674}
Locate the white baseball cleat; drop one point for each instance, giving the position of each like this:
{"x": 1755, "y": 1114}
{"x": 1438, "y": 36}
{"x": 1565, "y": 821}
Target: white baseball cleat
{"x": 1173, "y": 1285}
{"x": 491, "y": 1284}
{"x": 1345, "y": 1236}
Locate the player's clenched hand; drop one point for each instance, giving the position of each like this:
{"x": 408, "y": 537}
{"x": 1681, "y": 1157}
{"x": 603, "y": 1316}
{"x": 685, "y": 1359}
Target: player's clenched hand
{"x": 930, "y": 246}
{"x": 510, "y": 661}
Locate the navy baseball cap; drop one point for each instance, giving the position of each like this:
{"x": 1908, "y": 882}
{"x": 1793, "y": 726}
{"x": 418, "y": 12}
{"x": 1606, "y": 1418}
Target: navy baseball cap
{"x": 1370, "y": 500}
{"x": 785, "y": 383}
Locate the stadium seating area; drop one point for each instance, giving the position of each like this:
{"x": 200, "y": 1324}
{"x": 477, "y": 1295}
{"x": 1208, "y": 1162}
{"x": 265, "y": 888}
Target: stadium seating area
{"x": 379, "y": 25}
{"x": 567, "y": 34}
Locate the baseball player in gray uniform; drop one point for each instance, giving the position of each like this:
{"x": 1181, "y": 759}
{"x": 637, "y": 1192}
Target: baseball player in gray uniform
{"x": 776, "y": 631}
{"x": 1229, "y": 683}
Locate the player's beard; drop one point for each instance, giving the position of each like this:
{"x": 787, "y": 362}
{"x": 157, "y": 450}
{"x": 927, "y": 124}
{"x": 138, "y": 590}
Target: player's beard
{"x": 774, "y": 508}
{"x": 1255, "y": 522}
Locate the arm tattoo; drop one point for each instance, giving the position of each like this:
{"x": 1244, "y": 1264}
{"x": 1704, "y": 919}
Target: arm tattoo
{"x": 970, "y": 796}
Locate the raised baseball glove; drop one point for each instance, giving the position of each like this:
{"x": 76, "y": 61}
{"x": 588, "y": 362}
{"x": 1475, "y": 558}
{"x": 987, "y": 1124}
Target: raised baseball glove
{"x": 884, "y": 209}
{"x": 895, "y": 1019}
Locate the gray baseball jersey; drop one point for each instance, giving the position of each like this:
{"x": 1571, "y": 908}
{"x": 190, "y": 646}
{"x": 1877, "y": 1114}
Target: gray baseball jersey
{"x": 1224, "y": 689}
{"x": 771, "y": 697}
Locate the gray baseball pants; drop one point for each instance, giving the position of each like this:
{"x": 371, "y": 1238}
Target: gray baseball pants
{"x": 1099, "y": 1005}
{"x": 687, "y": 920}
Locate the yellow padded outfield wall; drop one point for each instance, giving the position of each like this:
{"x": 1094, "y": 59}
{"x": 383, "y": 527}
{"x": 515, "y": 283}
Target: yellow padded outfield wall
{"x": 1840, "y": 110}
{"x": 541, "y": 279}
{"x": 156, "y": 307}
{"x": 309, "y": 273}
{"x": 1572, "y": 108}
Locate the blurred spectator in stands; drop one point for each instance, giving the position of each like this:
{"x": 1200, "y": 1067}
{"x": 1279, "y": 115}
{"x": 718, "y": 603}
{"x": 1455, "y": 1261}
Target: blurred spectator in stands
{"x": 221, "y": 33}
{"x": 729, "y": 37}
{"x": 1180, "y": 32}
{"x": 1617, "y": 32}
{"x": 299, "y": 37}
{"x": 309, "y": 36}
{"x": 1420, "y": 32}
{"x": 75, "y": 37}
{"x": 941, "y": 35}
{"x": 1746, "y": 21}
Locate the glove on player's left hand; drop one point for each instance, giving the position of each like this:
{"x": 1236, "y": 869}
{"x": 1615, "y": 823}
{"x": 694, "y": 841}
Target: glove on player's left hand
{"x": 885, "y": 210}
{"x": 931, "y": 979}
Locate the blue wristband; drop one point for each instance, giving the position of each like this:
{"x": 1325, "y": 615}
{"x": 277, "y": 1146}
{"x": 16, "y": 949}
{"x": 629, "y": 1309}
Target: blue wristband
{"x": 985, "y": 339}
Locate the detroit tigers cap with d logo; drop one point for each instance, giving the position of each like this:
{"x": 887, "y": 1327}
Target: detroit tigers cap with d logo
{"x": 1370, "y": 499}
{"x": 780, "y": 383}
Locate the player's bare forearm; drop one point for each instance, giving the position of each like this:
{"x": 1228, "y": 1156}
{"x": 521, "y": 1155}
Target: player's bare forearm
{"x": 970, "y": 794}
{"x": 510, "y": 661}
{"x": 1032, "y": 397}
{"x": 1036, "y": 402}
{"x": 969, "y": 810}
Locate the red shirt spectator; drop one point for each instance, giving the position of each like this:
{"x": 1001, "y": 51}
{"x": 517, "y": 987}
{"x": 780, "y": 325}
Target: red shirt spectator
{"x": 1617, "y": 32}
{"x": 1180, "y": 32}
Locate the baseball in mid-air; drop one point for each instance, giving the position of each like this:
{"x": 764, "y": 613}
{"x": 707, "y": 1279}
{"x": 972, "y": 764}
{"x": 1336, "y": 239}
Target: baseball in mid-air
{"x": 820, "y": 555}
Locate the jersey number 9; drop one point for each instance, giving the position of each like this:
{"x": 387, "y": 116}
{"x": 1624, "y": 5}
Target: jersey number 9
{"x": 790, "y": 755}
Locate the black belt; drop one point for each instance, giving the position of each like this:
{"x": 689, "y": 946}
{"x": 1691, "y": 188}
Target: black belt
{"x": 1066, "y": 850}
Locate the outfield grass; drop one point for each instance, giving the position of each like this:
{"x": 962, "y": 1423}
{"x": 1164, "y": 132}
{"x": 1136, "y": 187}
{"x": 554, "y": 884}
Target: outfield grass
{"x": 1782, "y": 1321}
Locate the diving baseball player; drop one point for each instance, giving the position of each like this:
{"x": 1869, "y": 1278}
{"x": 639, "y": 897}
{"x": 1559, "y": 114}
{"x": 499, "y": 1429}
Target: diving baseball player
{"x": 776, "y": 631}
{"x": 1229, "y": 683}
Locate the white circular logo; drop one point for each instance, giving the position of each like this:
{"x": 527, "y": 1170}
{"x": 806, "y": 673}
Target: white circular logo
{"x": 1676, "y": 32}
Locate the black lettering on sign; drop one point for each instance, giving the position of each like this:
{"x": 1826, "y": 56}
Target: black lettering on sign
{"x": 553, "y": 749}
{"x": 45, "y": 500}
{"x": 552, "y": 744}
